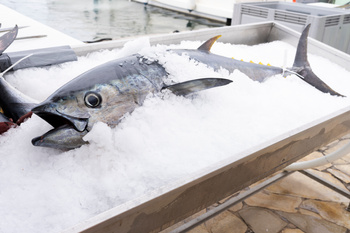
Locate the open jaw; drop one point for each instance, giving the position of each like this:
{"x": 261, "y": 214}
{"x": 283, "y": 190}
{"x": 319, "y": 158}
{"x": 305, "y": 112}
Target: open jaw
{"x": 67, "y": 134}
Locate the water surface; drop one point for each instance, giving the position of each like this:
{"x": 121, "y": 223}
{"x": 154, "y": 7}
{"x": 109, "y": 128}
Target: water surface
{"x": 95, "y": 19}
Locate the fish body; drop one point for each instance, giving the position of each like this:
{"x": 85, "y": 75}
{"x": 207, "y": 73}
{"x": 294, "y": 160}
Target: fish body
{"x": 254, "y": 71}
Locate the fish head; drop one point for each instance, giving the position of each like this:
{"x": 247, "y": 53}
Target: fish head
{"x": 83, "y": 108}
{"x": 61, "y": 110}
{"x": 72, "y": 114}
{"x": 81, "y": 102}
{"x": 89, "y": 98}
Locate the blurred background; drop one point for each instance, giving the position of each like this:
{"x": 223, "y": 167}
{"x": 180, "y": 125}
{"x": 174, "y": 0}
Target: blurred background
{"x": 97, "y": 19}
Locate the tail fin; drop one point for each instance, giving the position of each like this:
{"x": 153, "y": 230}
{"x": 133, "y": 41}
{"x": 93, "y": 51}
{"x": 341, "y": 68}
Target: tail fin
{"x": 302, "y": 67}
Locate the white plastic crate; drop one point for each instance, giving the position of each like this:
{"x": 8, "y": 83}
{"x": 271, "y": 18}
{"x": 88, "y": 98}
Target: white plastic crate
{"x": 329, "y": 25}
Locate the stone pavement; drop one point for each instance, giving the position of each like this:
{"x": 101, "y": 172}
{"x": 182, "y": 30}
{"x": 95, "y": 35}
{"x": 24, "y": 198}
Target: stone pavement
{"x": 294, "y": 204}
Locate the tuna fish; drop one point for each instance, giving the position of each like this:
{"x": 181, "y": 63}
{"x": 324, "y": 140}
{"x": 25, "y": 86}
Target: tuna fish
{"x": 109, "y": 91}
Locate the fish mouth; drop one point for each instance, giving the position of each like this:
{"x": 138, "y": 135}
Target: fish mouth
{"x": 57, "y": 119}
{"x": 53, "y": 119}
{"x": 68, "y": 130}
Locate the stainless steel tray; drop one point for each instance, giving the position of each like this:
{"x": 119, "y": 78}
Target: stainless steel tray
{"x": 167, "y": 205}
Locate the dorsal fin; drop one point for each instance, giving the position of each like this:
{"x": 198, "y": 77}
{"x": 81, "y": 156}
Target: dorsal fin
{"x": 7, "y": 39}
{"x": 206, "y": 46}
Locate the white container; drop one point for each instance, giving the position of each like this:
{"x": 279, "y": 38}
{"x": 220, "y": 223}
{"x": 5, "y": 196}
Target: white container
{"x": 329, "y": 25}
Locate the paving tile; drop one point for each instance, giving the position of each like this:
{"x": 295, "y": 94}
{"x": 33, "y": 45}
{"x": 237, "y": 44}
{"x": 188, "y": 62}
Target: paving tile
{"x": 343, "y": 160}
{"x": 236, "y": 207}
{"x": 331, "y": 211}
{"x": 310, "y": 224}
{"x": 200, "y": 229}
{"x": 313, "y": 155}
{"x": 346, "y": 158}
{"x": 334, "y": 146}
{"x": 288, "y": 230}
{"x": 290, "y": 226}
{"x": 324, "y": 167}
{"x": 226, "y": 222}
{"x": 308, "y": 212}
{"x": 300, "y": 185}
{"x": 340, "y": 175}
{"x": 344, "y": 168}
{"x": 262, "y": 220}
{"x": 329, "y": 178}
{"x": 340, "y": 161}
{"x": 274, "y": 201}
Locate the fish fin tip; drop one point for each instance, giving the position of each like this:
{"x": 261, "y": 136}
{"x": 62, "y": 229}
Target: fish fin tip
{"x": 301, "y": 53}
{"x": 206, "y": 46}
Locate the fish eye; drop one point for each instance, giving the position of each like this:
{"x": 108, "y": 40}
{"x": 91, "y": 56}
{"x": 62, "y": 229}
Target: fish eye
{"x": 92, "y": 99}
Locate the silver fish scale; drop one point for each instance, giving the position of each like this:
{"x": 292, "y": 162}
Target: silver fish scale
{"x": 152, "y": 71}
{"x": 253, "y": 71}
{"x": 139, "y": 75}
{"x": 133, "y": 83}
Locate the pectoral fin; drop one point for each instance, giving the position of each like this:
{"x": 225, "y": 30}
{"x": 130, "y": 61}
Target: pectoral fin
{"x": 195, "y": 85}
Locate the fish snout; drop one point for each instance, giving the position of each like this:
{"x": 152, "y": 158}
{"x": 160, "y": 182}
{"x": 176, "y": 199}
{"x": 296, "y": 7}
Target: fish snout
{"x": 49, "y": 113}
{"x": 39, "y": 108}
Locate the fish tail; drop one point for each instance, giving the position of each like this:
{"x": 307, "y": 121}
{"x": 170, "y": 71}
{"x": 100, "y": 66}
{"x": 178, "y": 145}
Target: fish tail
{"x": 302, "y": 69}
